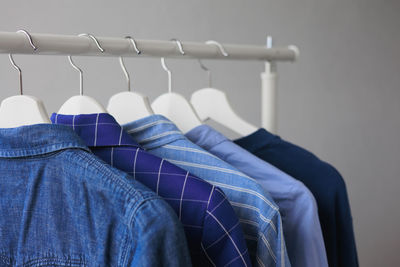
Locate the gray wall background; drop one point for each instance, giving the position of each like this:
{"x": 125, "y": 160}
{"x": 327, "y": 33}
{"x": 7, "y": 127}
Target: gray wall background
{"x": 341, "y": 100}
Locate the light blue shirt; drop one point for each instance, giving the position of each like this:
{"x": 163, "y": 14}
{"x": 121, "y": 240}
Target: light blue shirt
{"x": 258, "y": 214}
{"x": 297, "y": 205}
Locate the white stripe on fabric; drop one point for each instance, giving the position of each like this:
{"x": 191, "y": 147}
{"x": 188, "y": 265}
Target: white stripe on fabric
{"x": 269, "y": 247}
{"x": 189, "y": 150}
{"x": 151, "y": 138}
{"x": 185, "y": 200}
{"x": 241, "y": 255}
{"x": 143, "y": 127}
{"x": 73, "y": 122}
{"x": 56, "y": 118}
{"x": 260, "y": 261}
{"x": 167, "y": 173}
{"x": 219, "y": 204}
{"x": 245, "y": 190}
{"x": 209, "y": 197}
{"x": 233, "y": 242}
{"x": 265, "y": 241}
{"x": 208, "y": 257}
{"x": 134, "y": 163}
{"x": 219, "y": 239}
{"x": 90, "y": 124}
{"x": 120, "y": 136}
{"x": 174, "y": 174}
{"x": 95, "y": 132}
{"x": 183, "y": 191}
{"x": 208, "y": 167}
{"x": 112, "y": 157}
{"x": 159, "y": 174}
{"x": 241, "y": 205}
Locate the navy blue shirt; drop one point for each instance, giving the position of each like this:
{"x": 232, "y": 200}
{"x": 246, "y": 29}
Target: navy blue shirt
{"x": 323, "y": 180}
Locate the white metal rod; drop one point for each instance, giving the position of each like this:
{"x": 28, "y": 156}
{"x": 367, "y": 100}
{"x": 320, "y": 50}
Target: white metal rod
{"x": 49, "y": 44}
{"x": 269, "y": 91}
{"x": 269, "y": 101}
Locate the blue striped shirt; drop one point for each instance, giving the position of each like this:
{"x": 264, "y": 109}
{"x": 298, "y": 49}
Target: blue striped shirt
{"x": 213, "y": 232}
{"x": 258, "y": 214}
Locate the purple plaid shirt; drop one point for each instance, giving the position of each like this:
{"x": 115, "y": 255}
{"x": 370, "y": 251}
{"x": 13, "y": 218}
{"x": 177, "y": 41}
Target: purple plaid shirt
{"x": 212, "y": 228}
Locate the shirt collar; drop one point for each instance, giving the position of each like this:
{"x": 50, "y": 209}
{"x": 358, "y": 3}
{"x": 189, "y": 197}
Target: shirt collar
{"x": 99, "y": 129}
{"x": 153, "y": 131}
{"x": 37, "y": 139}
{"x": 256, "y": 140}
{"x": 206, "y": 137}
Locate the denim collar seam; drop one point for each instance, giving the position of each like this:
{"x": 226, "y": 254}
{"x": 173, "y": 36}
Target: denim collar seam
{"x": 113, "y": 180}
{"x": 20, "y": 152}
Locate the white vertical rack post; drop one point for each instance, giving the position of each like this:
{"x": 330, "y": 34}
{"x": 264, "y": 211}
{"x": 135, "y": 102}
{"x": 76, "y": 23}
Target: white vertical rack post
{"x": 269, "y": 91}
{"x": 269, "y": 94}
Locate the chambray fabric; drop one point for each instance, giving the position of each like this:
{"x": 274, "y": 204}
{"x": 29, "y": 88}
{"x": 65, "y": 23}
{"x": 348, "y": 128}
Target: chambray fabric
{"x": 212, "y": 228}
{"x": 61, "y": 206}
{"x": 323, "y": 180}
{"x": 297, "y": 205}
{"x": 258, "y": 214}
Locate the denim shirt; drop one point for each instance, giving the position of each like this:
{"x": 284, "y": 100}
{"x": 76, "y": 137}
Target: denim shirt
{"x": 212, "y": 228}
{"x": 61, "y": 206}
{"x": 303, "y": 234}
{"x": 258, "y": 214}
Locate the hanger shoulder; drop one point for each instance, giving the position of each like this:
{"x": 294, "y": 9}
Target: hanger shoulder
{"x": 176, "y": 108}
{"x": 211, "y": 103}
{"x": 22, "y": 110}
{"x": 81, "y": 104}
{"x": 126, "y": 107}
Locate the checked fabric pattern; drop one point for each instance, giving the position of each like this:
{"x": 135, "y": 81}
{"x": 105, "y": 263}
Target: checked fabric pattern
{"x": 212, "y": 229}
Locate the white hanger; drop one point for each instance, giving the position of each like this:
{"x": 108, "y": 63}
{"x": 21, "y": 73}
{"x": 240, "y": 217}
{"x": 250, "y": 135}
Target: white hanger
{"x": 81, "y": 104}
{"x": 22, "y": 109}
{"x": 211, "y": 103}
{"x": 129, "y": 106}
{"x": 174, "y": 106}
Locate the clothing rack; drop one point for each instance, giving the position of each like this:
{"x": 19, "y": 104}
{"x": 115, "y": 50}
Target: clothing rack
{"x": 51, "y": 44}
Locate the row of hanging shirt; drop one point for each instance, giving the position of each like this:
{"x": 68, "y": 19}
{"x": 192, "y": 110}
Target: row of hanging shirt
{"x": 224, "y": 203}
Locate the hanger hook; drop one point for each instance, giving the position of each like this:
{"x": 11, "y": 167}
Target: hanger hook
{"x": 206, "y": 70}
{"x": 122, "y": 63}
{"x": 13, "y": 62}
{"x": 165, "y": 67}
{"x": 179, "y": 44}
{"x": 223, "y": 52}
{"x": 76, "y": 67}
{"x": 221, "y": 48}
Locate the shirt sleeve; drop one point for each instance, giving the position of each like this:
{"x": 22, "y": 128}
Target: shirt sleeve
{"x": 158, "y": 237}
{"x": 223, "y": 239}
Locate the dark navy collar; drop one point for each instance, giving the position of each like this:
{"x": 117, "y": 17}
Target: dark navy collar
{"x": 257, "y": 140}
{"x": 100, "y": 129}
{"x": 37, "y": 139}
